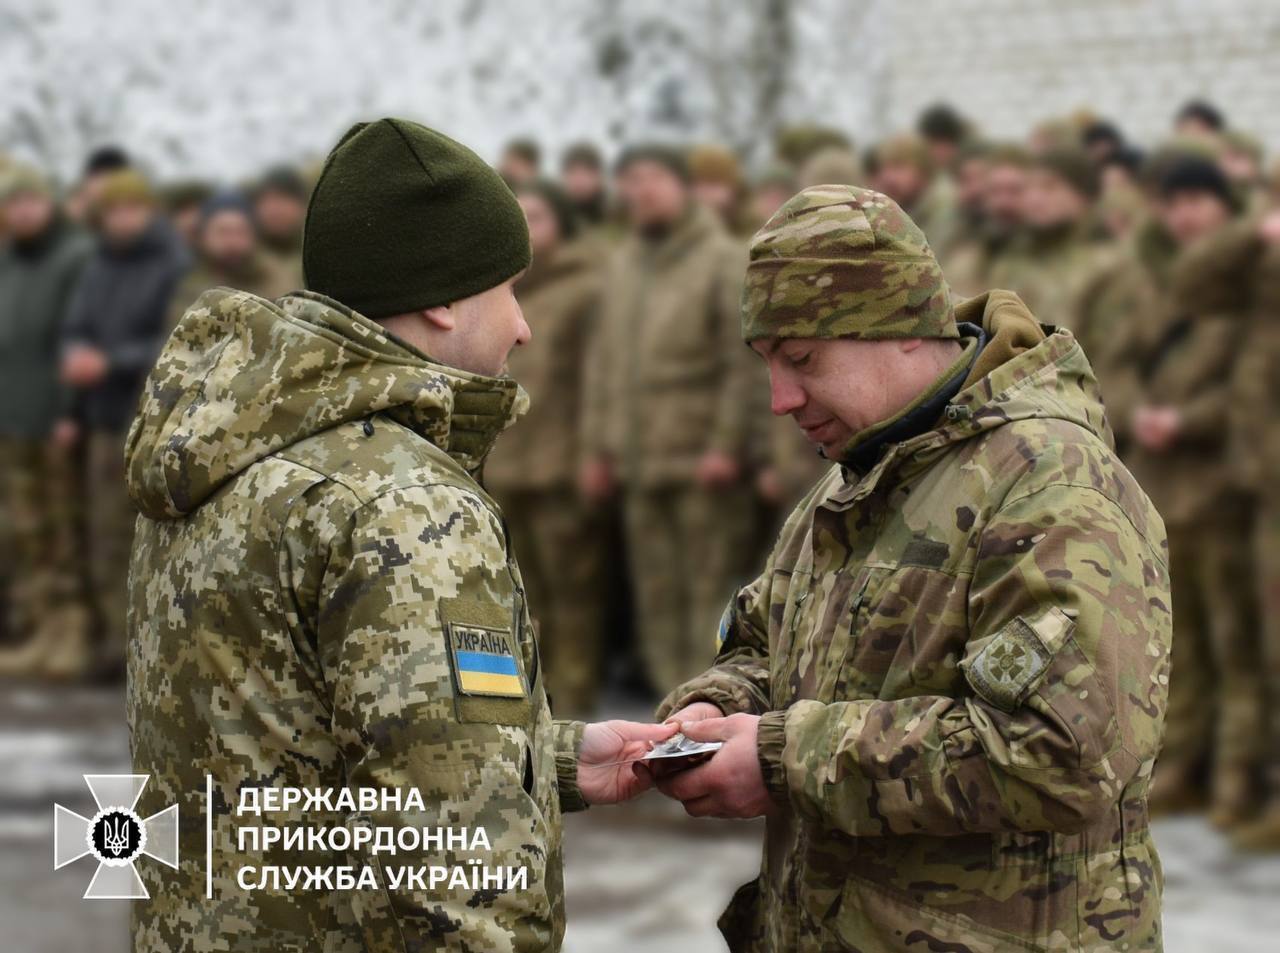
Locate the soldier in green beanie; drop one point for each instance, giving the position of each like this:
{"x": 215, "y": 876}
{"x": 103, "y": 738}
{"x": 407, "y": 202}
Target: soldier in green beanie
{"x": 323, "y": 597}
{"x": 946, "y": 689}
{"x": 1059, "y": 261}
{"x": 670, "y": 425}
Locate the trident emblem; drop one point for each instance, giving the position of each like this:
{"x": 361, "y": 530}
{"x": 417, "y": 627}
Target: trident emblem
{"x": 116, "y": 836}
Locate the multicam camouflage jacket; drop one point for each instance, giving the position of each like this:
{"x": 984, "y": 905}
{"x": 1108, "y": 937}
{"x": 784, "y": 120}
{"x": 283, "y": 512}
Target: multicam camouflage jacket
{"x": 322, "y": 598}
{"x": 960, "y": 657}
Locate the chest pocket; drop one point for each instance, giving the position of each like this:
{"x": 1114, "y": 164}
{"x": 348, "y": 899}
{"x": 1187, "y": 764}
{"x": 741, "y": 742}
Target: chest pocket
{"x": 820, "y": 627}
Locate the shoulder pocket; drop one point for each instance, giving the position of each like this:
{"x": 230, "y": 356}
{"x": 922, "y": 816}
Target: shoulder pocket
{"x": 1014, "y": 661}
{"x": 490, "y": 684}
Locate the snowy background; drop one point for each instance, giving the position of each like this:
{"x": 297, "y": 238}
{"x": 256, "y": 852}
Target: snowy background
{"x": 223, "y": 88}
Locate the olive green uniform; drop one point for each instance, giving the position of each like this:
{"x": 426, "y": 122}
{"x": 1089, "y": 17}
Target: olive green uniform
{"x": 533, "y": 471}
{"x": 670, "y": 380}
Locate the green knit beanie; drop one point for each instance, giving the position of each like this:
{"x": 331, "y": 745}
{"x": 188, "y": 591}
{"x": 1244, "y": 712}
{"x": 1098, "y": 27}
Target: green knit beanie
{"x": 837, "y": 261}
{"x": 404, "y": 218}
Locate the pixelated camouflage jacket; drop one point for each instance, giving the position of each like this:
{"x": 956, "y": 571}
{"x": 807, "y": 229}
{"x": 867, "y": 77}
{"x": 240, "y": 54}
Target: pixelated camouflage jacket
{"x": 960, "y": 658}
{"x": 312, "y": 563}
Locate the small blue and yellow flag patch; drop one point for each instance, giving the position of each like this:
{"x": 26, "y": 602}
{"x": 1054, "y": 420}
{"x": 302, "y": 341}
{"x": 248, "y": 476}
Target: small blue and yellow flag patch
{"x": 484, "y": 662}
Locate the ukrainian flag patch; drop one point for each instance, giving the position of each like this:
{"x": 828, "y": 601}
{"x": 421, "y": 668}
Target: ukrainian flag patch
{"x": 484, "y": 662}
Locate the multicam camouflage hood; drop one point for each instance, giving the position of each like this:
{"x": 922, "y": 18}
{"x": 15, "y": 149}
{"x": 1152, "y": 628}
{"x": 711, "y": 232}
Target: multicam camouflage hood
{"x": 242, "y": 378}
{"x": 837, "y": 261}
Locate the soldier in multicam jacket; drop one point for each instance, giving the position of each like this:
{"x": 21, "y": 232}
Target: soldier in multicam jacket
{"x": 946, "y": 690}
{"x": 322, "y": 596}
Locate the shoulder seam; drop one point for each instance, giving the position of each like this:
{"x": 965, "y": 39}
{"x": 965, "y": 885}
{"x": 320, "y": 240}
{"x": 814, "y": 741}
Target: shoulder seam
{"x": 1059, "y": 484}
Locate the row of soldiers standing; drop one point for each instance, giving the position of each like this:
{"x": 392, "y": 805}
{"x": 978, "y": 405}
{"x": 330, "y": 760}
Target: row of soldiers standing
{"x": 1165, "y": 264}
{"x": 649, "y": 470}
{"x": 90, "y": 286}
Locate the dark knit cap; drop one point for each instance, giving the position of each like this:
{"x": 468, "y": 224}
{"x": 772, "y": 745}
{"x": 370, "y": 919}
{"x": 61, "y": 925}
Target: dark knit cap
{"x": 1101, "y": 131}
{"x": 558, "y": 201}
{"x": 941, "y": 122}
{"x": 185, "y": 193}
{"x": 1197, "y": 175}
{"x": 405, "y": 218}
{"x": 526, "y": 149}
{"x": 1074, "y": 167}
{"x": 582, "y": 153}
{"x": 226, "y": 200}
{"x": 1129, "y": 158}
{"x": 1203, "y": 111}
{"x": 106, "y": 159}
{"x": 284, "y": 179}
{"x": 673, "y": 157}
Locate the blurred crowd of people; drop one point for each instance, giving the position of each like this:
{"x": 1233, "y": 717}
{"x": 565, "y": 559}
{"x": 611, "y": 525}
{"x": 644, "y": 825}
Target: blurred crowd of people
{"x": 649, "y": 477}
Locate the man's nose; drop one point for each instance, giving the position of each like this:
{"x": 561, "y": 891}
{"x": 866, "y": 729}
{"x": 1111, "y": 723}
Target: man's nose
{"x": 523, "y": 333}
{"x": 785, "y": 396}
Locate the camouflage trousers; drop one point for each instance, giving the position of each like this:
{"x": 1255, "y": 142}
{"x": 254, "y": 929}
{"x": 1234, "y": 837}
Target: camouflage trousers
{"x": 1267, "y": 571}
{"x": 109, "y": 524}
{"x": 688, "y": 550}
{"x": 559, "y": 545}
{"x": 41, "y": 515}
{"x": 1216, "y": 706}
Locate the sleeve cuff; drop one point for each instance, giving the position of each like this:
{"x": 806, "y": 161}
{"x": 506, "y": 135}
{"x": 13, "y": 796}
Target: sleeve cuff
{"x": 771, "y": 739}
{"x": 682, "y": 698}
{"x": 568, "y": 742}
{"x": 727, "y": 691}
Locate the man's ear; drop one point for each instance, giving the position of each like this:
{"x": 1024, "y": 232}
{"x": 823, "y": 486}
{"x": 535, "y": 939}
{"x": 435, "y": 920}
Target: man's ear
{"x": 440, "y": 317}
{"x": 907, "y": 345}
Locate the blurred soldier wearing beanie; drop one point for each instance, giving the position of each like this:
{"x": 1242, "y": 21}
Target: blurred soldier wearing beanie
{"x": 718, "y": 184}
{"x": 521, "y": 161}
{"x": 533, "y": 470}
{"x": 672, "y": 417}
{"x": 279, "y": 207}
{"x": 183, "y": 202}
{"x": 582, "y": 179}
{"x": 769, "y": 191}
{"x": 230, "y": 254}
{"x": 81, "y": 203}
{"x": 830, "y": 165}
{"x": 1058, "y": 254}
{"x": 1178, "y": 427}
{"x": 945, "y": 133}
{"x": 905, "y": 171}
{"x": 115, "y": 327}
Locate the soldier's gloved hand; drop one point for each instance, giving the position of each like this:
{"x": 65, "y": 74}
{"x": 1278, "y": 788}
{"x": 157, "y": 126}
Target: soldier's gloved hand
{"x": 601, "y": 778}
{"x": 731, "y": 783}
